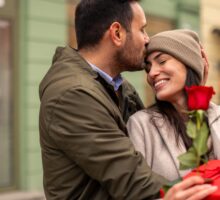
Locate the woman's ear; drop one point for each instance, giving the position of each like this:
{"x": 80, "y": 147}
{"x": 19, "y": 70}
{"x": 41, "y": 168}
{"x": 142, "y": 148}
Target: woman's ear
{"x": 117, "y": 33}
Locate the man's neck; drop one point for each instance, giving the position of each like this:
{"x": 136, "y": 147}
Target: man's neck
{"x": 101, "y": 60}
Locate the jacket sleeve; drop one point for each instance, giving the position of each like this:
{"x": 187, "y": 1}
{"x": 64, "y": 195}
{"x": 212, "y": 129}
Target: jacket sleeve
{"x": 84, "y": 128}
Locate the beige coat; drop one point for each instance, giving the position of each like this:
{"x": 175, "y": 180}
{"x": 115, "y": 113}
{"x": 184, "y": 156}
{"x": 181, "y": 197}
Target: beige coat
{"x": 158, "y": 145}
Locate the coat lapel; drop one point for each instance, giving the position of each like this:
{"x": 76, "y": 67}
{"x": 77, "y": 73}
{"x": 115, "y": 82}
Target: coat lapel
{"x": 168, "y": 136}
{"x": 214, "y": 125}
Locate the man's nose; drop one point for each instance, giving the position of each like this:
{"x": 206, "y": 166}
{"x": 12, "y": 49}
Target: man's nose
{"x": 147, "y": 39}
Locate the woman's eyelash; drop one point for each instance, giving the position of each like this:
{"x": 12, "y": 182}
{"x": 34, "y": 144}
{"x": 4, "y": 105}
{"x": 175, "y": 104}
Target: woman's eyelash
{"x": 162, "y": 62}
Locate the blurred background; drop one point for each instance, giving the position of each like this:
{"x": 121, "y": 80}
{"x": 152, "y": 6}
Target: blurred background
{"x": 30, "y": 30}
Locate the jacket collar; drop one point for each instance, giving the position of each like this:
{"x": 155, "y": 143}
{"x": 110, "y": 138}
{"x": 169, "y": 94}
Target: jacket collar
{"x": 69, "y": 54}
{"x": 115, "y": 82}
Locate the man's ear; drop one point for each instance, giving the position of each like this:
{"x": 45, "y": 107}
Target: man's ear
{"x": 117, "y": 33}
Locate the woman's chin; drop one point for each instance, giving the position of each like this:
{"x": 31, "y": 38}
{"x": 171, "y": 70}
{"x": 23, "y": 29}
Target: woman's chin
{"x": 162, "y": 97}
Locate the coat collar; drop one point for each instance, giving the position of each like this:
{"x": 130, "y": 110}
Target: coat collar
{"x": 214, "y": 125}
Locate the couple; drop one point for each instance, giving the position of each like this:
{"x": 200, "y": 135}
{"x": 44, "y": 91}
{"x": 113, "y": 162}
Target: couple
{"x": 85, "y": 104}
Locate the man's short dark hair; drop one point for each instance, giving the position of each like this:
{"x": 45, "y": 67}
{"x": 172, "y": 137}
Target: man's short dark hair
{"x": 94, "y": 17}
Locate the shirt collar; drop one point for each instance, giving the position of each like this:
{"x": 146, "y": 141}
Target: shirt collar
{"x": 115, "y": 82}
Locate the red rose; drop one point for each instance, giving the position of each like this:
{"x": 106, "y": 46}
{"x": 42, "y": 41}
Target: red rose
{"x": 211, "y": 171}
{"x": 199, "y": 97}
{"x": 162, "y": 193}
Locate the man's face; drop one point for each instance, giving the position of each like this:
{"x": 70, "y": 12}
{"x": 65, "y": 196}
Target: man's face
{"x": 131, "y": 56}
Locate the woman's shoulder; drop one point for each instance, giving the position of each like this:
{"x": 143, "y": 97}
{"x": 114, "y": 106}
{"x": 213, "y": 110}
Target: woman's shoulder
{"x": 214, "y": 108}
{"x": 213, "y": 105}
{"x": 213, "y": 111}
{"x": 145, "y": 115}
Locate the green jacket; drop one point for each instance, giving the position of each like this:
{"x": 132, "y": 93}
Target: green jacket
{"x": 85, "y": 149}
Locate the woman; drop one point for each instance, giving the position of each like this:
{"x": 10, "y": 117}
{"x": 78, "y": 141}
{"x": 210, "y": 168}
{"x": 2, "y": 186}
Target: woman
{"x": 174, "y": 61}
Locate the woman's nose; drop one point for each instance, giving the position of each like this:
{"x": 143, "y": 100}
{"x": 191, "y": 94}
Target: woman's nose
{"x": 154, "y": 72}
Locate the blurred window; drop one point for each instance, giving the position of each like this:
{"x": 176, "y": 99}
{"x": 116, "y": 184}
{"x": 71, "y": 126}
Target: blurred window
{"x": 6, "y": 141}
{"x": 157, "y": 24}
{"x": 71, "y": 6}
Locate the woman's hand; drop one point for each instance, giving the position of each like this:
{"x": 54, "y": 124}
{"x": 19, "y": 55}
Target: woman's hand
{"x": 192, "y": 188}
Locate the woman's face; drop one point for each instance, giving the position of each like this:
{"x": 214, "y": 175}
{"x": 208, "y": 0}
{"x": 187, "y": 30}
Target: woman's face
{"x": 166, "y": 76}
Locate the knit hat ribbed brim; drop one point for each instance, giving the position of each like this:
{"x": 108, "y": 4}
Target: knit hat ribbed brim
{"x": 182, "y": 44}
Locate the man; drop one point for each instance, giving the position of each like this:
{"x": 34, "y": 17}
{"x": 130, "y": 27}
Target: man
{"x": 84, "y": 106}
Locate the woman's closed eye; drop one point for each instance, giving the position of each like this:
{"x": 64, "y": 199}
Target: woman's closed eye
{"x": 161, "y": 62}
{"x": 162, "y": 58}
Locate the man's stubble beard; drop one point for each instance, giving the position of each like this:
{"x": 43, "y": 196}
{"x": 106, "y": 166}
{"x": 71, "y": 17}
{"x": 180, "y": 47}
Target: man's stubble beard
{"x": 125, "y": 59}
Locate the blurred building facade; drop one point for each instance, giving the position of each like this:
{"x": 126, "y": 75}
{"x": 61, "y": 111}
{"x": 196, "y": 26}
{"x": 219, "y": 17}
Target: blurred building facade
{"x": 30, "y": 31}
{"x": 210, "y": 32}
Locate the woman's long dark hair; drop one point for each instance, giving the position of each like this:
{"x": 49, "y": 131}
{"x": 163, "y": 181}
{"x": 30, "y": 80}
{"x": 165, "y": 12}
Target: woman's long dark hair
{"x": 172, "y": 115}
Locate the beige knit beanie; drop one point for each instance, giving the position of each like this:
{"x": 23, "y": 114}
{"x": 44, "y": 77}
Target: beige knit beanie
{"x": 182, "y": 44}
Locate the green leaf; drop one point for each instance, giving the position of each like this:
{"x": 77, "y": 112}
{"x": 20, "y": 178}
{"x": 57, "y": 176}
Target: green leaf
{"x": 191, "y": 129}
{"x": 200, "y": 142}
{"x": 188, "y": 160}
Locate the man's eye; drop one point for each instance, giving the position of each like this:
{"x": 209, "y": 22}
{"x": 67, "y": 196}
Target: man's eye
{"x": 143, "y": 30}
